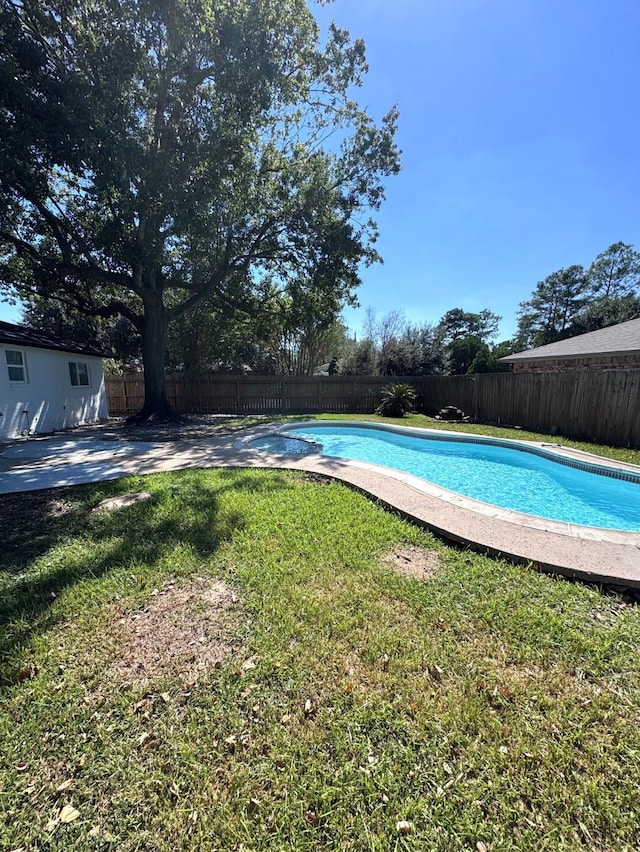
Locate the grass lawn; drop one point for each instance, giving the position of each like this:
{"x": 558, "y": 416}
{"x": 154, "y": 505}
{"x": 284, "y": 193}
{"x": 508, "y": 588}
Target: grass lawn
{"x": 256, "y": 660}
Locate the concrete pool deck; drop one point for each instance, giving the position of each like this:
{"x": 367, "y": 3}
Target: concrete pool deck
{"x": 585, "y": 553}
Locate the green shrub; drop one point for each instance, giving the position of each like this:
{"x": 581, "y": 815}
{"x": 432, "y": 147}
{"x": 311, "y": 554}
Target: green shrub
{"x": 397, "y": 400}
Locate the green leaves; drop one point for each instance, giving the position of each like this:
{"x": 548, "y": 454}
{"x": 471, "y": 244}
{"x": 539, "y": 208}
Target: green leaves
{"x": 397, "y": 400}
{"x": 575, "y": 301}
{"x": 197, "y": 145}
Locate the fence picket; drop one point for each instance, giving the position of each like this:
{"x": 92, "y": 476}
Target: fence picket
{"x": 594, "y": 405}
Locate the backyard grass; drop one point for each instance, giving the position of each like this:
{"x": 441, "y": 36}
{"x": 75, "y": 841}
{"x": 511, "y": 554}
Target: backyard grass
{"x": 256, "y": 660}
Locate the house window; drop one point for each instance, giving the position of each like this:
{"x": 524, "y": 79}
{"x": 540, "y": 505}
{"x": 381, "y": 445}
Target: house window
{"x": 16, "y": 365}
{"x": 79, "y": 373}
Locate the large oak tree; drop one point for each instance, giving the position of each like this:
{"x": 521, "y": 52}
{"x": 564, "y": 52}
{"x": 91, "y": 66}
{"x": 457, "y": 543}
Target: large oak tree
{"x": 156, "y": 153}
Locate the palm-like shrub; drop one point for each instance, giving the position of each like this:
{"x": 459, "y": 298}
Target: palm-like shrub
{"x": 397, "y": 400}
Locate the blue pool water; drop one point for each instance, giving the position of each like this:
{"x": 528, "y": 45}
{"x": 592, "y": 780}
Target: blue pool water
{"x": 283, "y": 444}
{"x": 500, "y": 475}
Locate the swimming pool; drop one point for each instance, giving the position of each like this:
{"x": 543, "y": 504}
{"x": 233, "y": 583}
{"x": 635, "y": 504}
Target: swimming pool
{"x": 501, "y": 473}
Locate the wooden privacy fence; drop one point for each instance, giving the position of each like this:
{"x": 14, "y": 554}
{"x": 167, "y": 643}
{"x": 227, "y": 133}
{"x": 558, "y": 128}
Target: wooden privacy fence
{"x": 217, "y": 393}
{"x": 602, "y": 405}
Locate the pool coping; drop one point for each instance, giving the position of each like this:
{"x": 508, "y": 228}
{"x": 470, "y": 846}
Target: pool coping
{"x": 589, "y": 553}
{"x": 592, "y": 554}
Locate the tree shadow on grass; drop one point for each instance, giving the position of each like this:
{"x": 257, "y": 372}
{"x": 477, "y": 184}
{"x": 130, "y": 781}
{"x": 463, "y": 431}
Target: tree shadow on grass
{"x": 55, "y": 539}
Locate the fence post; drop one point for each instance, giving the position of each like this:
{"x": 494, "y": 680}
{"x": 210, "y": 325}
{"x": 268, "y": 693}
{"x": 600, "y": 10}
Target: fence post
{"x": 598, "y": 405}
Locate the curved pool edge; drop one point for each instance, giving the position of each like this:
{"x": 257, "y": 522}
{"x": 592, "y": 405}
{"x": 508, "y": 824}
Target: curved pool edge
{"x": 555, "y": 452}
{"x": 581, "y": 552}
{"x": 609, "y": 557}
{"x": 488, "y": 509}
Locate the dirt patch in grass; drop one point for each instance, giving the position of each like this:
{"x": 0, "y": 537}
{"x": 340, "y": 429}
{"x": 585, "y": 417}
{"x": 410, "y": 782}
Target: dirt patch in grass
{"x": 17, "y": 511}
{"x": 184, "y": 632}
{"x": 413, "y": 561}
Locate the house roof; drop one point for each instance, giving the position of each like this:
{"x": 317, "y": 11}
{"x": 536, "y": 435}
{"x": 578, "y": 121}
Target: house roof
{"x": 620, "y": 339}
{"x": 20, "y": 335}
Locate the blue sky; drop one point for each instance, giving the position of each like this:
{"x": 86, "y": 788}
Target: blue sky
{"x": 519, "y": 124}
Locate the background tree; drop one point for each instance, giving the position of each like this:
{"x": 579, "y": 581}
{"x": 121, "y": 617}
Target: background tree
{"x": 465, "y": 336}
{"x": 614, "y": 289}
{"x": 384, "y": 333}
{"x": 209, "y": 337}
{"x": 303, "y": 351}
{"x": 392, "y": 346}
{"x": 555, "y": 303}
{"x": 417, "y": 351}
{"x": 465, "y": 351}
{"x": 180, "y": 155}
{"x": 599, "y": 313}
{"x": 457, "y": 323}
{"x": 360, "y": 358}
{"x": 487, "y": 359}
{"x": 615, "y": 273}
{"x": 574, "y": 301}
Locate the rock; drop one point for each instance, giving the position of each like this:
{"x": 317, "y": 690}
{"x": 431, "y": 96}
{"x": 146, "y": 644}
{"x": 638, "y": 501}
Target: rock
{"x": 123, "y": 500}
{"x": 452, "y": 413}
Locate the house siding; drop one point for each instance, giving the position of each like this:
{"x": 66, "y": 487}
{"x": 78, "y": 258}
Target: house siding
{"x": 585, "y": 362}
{"x": 47, "y": 401}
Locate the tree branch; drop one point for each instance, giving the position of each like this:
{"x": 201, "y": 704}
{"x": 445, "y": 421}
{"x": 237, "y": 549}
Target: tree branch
{"x": 65, "y": 268}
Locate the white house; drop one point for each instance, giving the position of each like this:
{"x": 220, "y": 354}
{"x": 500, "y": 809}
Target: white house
{"x": 47, "y": 384}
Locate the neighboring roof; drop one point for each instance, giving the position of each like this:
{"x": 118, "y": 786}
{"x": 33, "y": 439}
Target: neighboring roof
{"x": 620, "y": 339}
{"x": 20, "y": 335}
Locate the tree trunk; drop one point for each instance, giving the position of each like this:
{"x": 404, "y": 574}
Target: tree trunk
{"x": 154, "y": 343}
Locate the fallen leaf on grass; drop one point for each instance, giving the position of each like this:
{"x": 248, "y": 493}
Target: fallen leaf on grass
{"x": 435, "y": 672}
{"x": 66, "y": 815}
{"x": 146, "y": 739}
{"x": 69, "y": 813}
{"x": 28, "y": 672}
{"x": 100, "y": 834}
{"x": 65, "y": 785}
